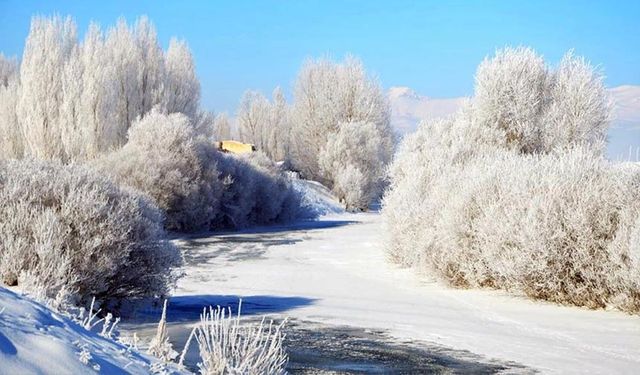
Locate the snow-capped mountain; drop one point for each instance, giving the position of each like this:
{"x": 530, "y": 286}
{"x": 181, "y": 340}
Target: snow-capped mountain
{"x": 408, "y": 108}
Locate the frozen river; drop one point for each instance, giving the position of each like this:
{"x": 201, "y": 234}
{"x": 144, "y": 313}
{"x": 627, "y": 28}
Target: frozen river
{"x": 353, "y": 312}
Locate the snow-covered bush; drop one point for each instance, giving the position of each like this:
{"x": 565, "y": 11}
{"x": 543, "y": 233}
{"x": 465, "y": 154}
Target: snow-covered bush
{"x": 166, "y": 160}
{"x": 198, "y": 187}
{"x": 354, "y": 159}
{"x": 66, "y": 230}
{"x": 485, "y": 199}
{"x": 558, "y": 227}
{"x": 228, "y": 347}
{"x": 256, "y": 192}
{"x": 555, "y": 227}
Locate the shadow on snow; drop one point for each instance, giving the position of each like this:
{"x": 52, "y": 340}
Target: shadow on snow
{"x": 301, "y": 225}
{"x": 188, "y": 308}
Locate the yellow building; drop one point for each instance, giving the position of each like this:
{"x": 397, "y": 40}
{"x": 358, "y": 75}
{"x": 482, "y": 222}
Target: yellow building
{"x": 236, "y": 147}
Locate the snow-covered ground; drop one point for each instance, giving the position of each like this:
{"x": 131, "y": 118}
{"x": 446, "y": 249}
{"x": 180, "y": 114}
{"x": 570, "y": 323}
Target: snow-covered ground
{"x": 35, "y": 340}
{"x": 334, "y": 272}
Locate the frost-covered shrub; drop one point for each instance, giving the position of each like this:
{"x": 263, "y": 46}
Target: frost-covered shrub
{"x": 198, "y": 187}
{"x": 227, "y": 347}
{"x": 510, "y": 96}
{"x": 530, "y": 205}
{"x": 539, "y": 109}
{"x": 580, "y": 109}
{"x": 556, "y": 227}
{"x": 160, "y": 346}
{"x": 354, "y": 159}
{"x": 166, "y": 160}
{"x": 66, "y": 230}
{"x": 256, "y": 192}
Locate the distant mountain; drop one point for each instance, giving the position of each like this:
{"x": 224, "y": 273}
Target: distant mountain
{"x": 408, "y": 108}
{"x": 624, "y": 134}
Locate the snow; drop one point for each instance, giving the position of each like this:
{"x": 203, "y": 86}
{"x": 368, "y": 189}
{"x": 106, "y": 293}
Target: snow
{"x": 317, "y": 200}
{"x": 36, "y": 340}
{"x": 408, "y": 108}
{"x": 334, "y": 271}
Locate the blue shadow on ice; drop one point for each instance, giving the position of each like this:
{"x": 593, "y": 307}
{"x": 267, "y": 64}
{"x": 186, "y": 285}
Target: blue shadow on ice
{"x": 189, "y": 308}
{"x": 301, "y": 225}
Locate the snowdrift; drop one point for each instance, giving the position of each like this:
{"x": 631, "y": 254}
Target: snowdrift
{"x": 36, "y": 340}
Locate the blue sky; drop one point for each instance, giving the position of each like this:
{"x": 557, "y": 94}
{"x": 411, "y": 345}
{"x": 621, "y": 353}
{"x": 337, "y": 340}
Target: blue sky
{"x": 433, "y": 47}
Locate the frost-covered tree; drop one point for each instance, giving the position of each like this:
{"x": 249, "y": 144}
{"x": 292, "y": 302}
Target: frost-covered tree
{"x": 153, "y": 72}
{"x": 73, "y": 133}
{"x": 511, "y": 96}
{"x": 278, "y": 128}
{"x": 74, "y": 101}
{"x": 221, "y": 127}
{"x": 182, "y": 87}
{"x": 252, "y": 118}
{"x": 579, "y": 109}
{"x": 327, "y": 94}
{"x": 126, "y": 60}
{"x": 138, "y": 71}
{"x": 536, "y": 108}
{"x": 98, "y": 120}
{"x": 11, "y": 139}
{"x": 354, "y": 159}
{"x": 8, "y": 69}
{"x": 42, "y": 78}
{"x": 265, "y": 123}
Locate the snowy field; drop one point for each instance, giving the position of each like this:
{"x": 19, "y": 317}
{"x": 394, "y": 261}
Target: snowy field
{"x": 334, "y": 272}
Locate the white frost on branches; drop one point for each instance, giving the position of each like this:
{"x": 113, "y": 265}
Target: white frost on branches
{"x": 514, "y": 192}
{"x": 354, "y": 159}
{"x": 227, "y": 347}
{"x": 160, "y": 345}
{"x": 75, "y": 100}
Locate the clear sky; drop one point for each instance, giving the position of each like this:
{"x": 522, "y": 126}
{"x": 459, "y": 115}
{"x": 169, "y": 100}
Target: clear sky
{"x": 430, "y": 46}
